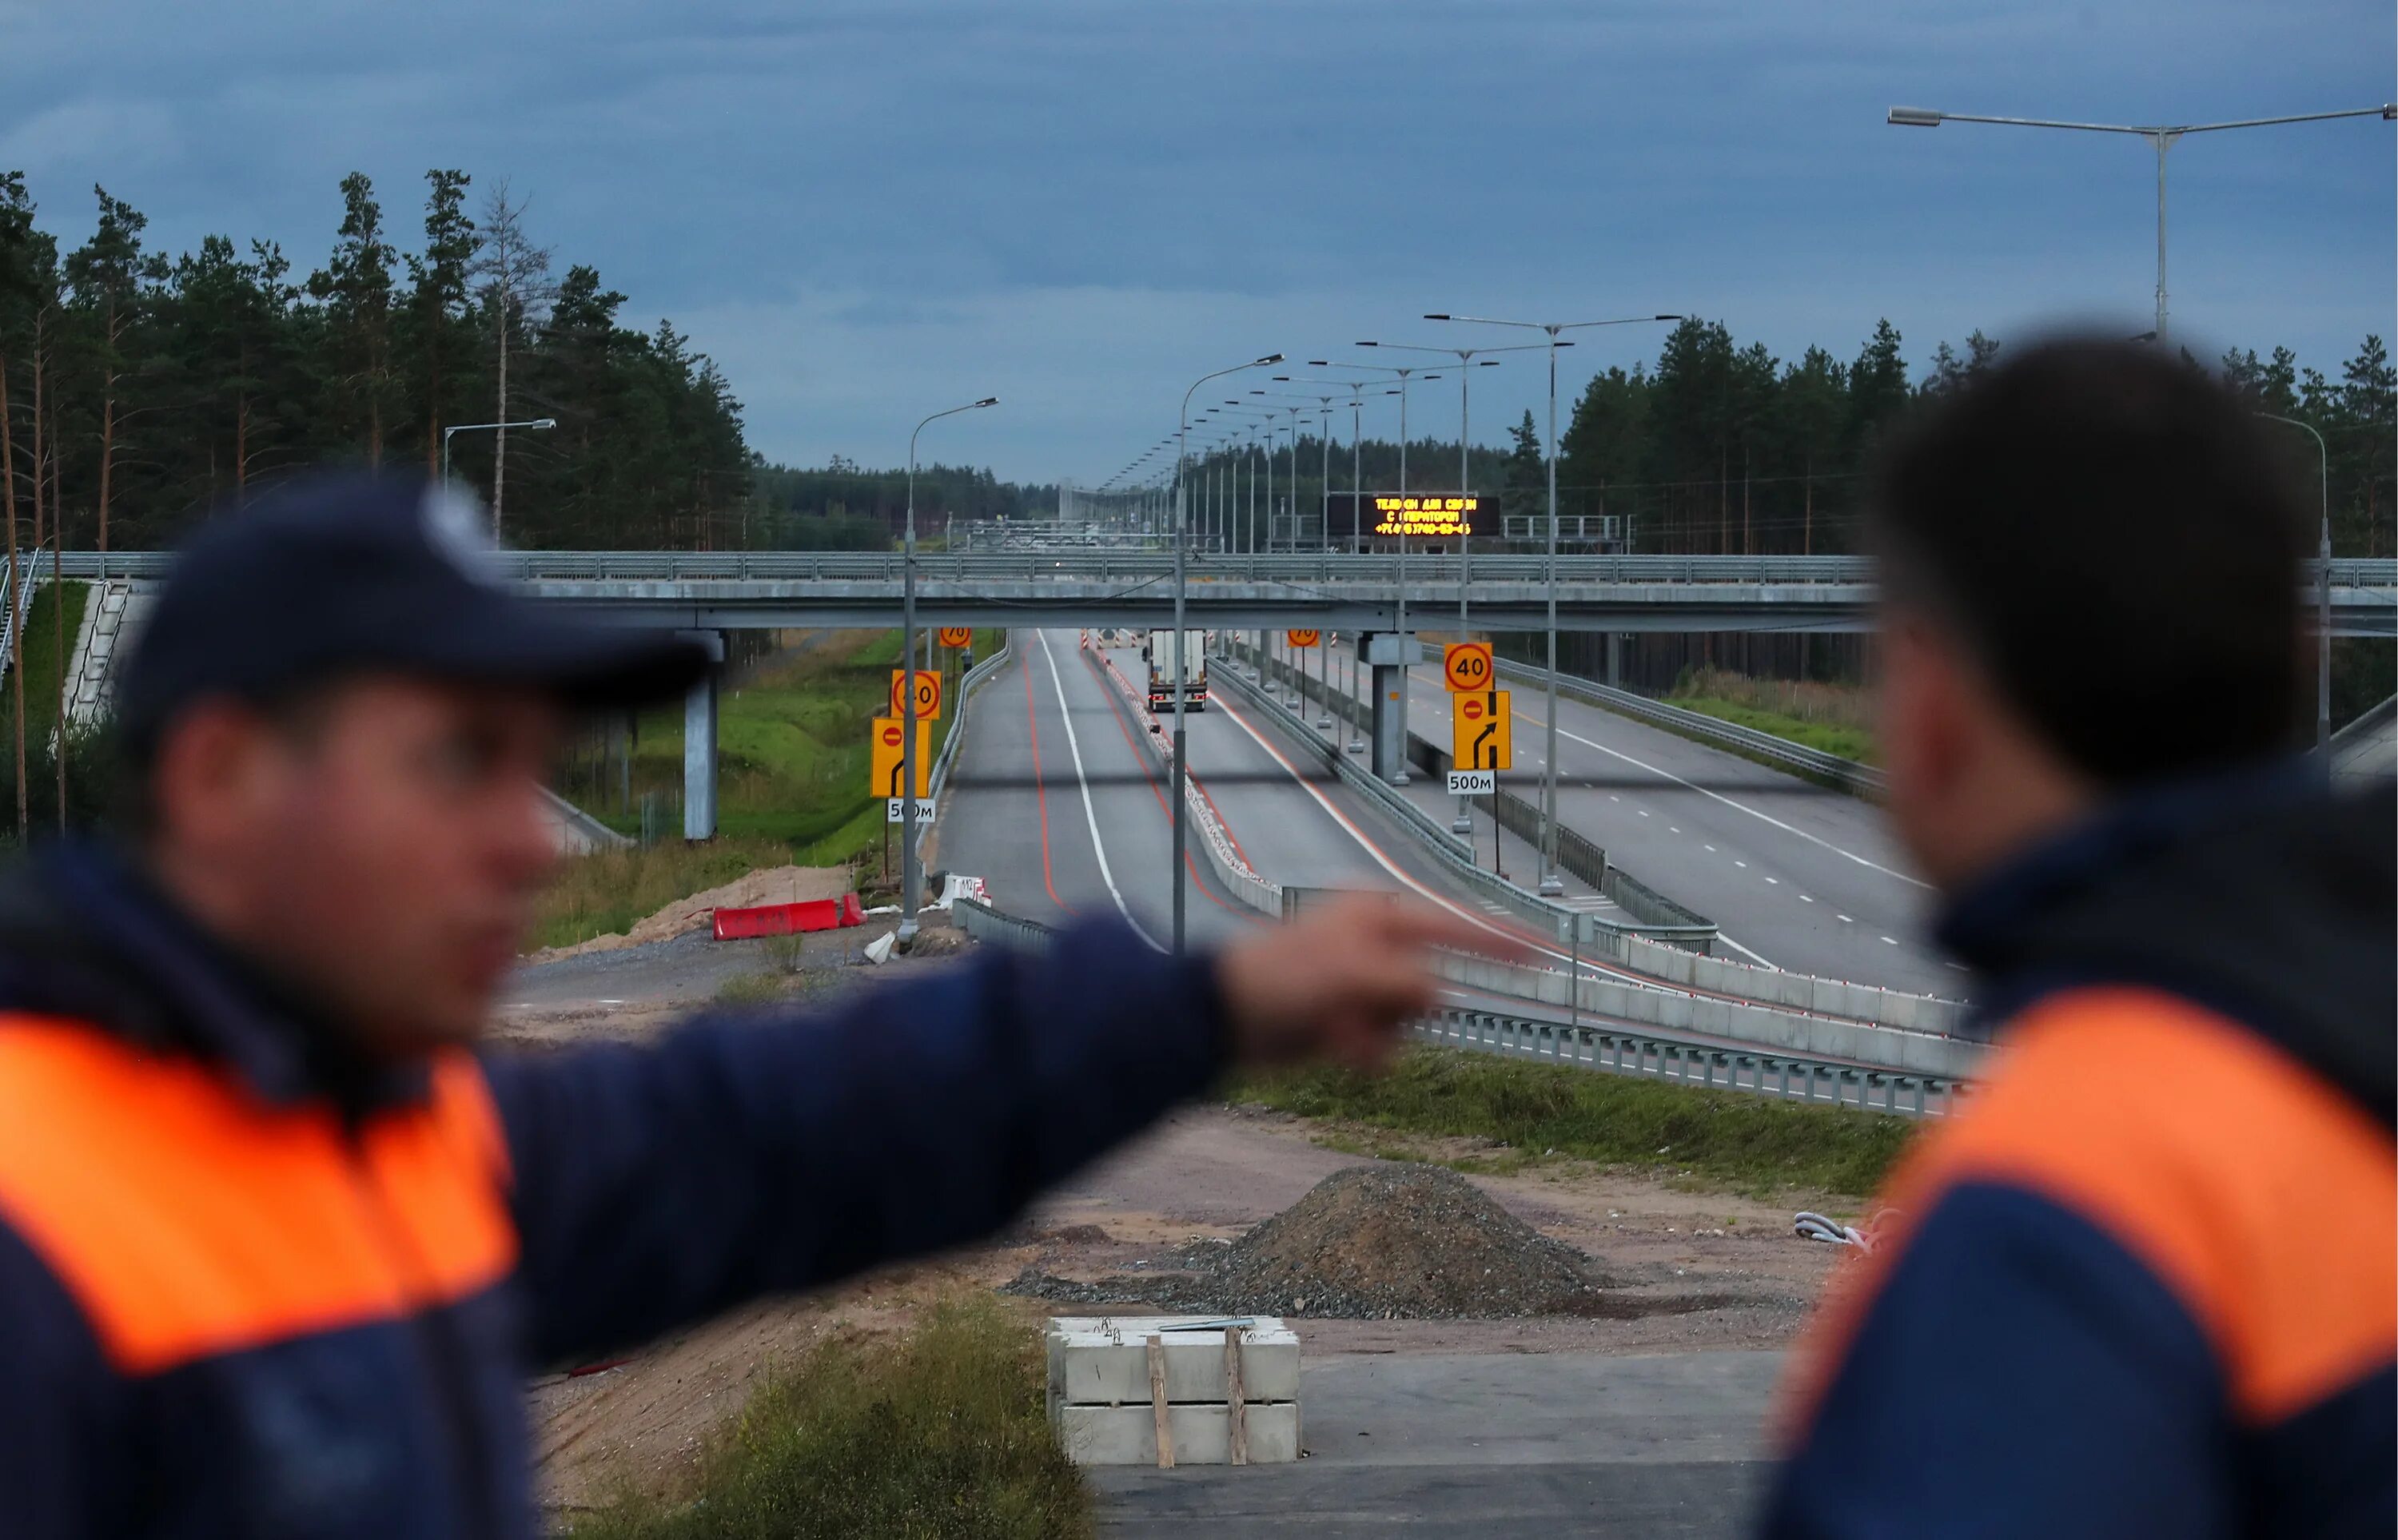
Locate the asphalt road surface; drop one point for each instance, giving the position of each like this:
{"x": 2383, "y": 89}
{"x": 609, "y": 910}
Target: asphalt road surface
{"x": 1799, "y": 877}
{"x": 1056, "y": 804}
{"x": 1486, "y": 1445}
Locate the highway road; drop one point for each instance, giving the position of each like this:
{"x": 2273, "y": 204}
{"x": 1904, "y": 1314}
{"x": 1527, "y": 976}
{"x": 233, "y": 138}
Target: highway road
{"x": 1801, "y": 878}
{"x": 1057, "y": 805}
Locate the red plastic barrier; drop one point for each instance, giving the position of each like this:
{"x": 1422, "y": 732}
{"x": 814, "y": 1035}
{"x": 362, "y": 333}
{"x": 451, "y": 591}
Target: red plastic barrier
{"x": 781, "y": 919}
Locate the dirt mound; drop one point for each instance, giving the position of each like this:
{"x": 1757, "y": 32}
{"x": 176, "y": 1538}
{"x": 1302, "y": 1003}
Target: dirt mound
{"x": 1378, "y": 1242}
{"x": 766, "y": 885}
{"x": 1406, "y": 1240}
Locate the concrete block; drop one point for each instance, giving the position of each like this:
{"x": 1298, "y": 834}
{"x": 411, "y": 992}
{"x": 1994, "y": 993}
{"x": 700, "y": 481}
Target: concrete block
{"x": 1106, "y": 1359}
{"x": 1203, "y": 1434}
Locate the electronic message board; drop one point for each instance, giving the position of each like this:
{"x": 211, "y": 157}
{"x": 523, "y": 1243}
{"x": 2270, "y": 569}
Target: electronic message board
{"x": 1388, "y": 515}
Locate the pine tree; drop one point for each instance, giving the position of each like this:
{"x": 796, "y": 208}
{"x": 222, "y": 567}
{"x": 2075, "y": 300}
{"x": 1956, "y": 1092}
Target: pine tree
{"x": 437, "y": 304}
{"x": 355, "y": 286}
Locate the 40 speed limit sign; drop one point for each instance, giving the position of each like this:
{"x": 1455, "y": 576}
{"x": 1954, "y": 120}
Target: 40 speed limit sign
{"x": 1466, "y": 667}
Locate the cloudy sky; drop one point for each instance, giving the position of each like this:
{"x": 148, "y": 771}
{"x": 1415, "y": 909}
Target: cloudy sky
{"x": 868, "y": 209}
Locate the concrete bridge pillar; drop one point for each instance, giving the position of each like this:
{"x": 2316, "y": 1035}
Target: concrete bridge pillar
{"x": 699, "y": 745}
{"x": 1615, "y": 659}
{"x": 1387, "y": 657}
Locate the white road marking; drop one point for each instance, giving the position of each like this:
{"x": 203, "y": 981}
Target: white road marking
{"x": 1774, "y": 881}
{"x": 1893, "y": 939}
{"x": 1644, "y": 812}
{"x": 1098, "y": 847}
{"x": 1805, "y": 899}
{"x": 1711, "y": 849}
{"x": 1744, "y": 951}
{"x": 1741, "y": 864}
{"x": 1742, "y": 806}
{"x": 1670, "y": 829}
{"x": 1846, "y": 920}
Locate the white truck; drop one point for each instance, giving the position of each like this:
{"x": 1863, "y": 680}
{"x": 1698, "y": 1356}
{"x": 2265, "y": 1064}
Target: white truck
{"x": 1170, "y": 665}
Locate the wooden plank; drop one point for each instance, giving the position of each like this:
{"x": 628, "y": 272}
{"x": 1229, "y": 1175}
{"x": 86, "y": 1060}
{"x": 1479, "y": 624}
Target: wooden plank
{"x": 1234, "y": 1399}
{"x": 1157, "y": 1404}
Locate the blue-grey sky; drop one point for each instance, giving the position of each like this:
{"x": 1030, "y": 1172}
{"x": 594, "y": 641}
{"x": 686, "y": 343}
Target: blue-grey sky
{"x": 868, "y": 209}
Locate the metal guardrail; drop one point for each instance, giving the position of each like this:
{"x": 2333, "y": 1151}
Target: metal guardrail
{"x": 1077, "y": 562}
{"x": 939, "y": 779}
{"x": 1847, "y": 773}
{"x": 984, "y": 923}
{"x": 1663, "y": 1056}
{"x": 1547, "y": 918}
{"x": 1607, "y": 1048}
{"x": 1654, "y": 916}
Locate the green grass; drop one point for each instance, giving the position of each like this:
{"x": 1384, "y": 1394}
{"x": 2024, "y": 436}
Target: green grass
{"x": 1848, "y": 742}
{"x": 47, "y": 633}
{"x": 1740, "y": 1142}
{"x": 792, "y": 751}
{"x": 936, "y": 1433}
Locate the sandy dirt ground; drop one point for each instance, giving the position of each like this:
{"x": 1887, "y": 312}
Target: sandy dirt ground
{"x": 1709, "y": 1270}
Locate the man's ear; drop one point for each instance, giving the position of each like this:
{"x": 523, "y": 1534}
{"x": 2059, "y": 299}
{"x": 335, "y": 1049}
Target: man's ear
{"x": 1926, "y": 717}
{"x": 207, "y": 779}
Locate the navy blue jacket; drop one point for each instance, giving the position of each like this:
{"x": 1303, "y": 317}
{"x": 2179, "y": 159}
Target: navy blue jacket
{"x": 2145, "y": 1282}
{"x": 251, "y": 1285}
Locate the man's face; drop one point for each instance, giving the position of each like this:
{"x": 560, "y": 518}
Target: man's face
{"x": 383, "y": 851}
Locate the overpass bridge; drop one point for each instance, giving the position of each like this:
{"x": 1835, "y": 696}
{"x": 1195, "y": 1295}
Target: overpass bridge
{"x": 746, "y": 590}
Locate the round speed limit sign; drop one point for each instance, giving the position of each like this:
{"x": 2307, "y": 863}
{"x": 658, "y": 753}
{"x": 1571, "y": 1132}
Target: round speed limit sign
{"x": 1466, "y": 665}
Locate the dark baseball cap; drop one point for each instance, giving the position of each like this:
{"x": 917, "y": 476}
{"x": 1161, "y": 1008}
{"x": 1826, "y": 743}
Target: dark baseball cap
{"x": 335, "y": 574}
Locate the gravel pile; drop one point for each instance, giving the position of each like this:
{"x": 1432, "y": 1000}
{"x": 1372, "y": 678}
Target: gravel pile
{"x": 1378, "y": 1242}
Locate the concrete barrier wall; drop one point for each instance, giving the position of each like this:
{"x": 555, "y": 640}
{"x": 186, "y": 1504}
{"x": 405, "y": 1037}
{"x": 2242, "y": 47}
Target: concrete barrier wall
{"x": 1798, "y": 991}
{"x": 1765, "y": 1029}
{"x": 1236, "y": 874}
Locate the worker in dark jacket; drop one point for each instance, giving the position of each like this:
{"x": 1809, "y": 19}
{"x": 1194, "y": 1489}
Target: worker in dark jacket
{"x": 278, "y": 1244}
{"x": 2146, "y": 1282}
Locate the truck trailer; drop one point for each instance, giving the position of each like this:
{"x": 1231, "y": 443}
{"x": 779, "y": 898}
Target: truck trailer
{"x": 1169, "y": 664}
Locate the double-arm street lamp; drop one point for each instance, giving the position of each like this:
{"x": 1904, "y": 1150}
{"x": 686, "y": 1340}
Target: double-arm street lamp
{"x": 1551, "y": 884}
{"x": 1181, "y": 658}
{"x": 910, "y": 880}
{"x": 2160, "y": 135}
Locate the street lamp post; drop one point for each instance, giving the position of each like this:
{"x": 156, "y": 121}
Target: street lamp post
{"x": 447, "y": 434}
{"x": 1399, "y": 776}
{"x": 2160, "y": 135}
{"x": 1551, "y": 884}
{"x": 1465, "y": 356}
{"x": 1182, "y": 663}
{"x": 910, "y": 877}
{"x": 2322, "y": 589}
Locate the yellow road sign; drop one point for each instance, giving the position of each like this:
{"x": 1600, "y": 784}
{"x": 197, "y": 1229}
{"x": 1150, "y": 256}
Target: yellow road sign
{"x": 889, "y": 734}
{"x": 1481, "y": 731}
{"x": 1466, "y": 665}
{"x": 928, "y": 694}
{"x": 1303, "y": 638}
{"x": 957, "y": 636}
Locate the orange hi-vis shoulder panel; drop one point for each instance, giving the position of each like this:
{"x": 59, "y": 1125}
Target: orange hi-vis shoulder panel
{"x": 188, "y": 1219}
{"x": 2264, "y": 1199}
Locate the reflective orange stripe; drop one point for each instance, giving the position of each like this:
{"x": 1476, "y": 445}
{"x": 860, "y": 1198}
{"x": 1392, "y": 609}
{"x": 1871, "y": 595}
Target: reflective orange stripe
{"x": 187, "y": 1218}
{"x": 2265, "y": 1199}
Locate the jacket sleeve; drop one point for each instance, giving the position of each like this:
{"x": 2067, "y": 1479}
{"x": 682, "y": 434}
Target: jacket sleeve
{"x": 65, "y": 1461}
{"x": 2019, "y": 1373}
{"x": 739, "y": 1154}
